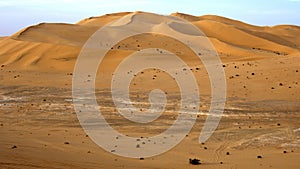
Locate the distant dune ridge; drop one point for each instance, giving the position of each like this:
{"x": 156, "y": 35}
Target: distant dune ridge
{"x": 56, "y": 45}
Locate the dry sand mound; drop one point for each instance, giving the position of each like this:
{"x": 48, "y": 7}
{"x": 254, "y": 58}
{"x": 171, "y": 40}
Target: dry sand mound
{"x": 63, "y": 34}
{"x": 62, "y": 42}
{"x": 102, "y": 20}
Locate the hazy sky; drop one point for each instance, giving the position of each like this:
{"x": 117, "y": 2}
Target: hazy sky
{"x": 17, "y": 14}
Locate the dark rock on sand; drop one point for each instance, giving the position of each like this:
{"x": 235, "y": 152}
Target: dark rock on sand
{"x": 194, "y": 161}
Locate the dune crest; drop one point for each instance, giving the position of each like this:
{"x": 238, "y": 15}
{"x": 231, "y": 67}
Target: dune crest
{"x": 102, "y": 20}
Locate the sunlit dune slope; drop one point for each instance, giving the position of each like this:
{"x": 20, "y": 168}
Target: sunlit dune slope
{"x": 57, "y": 45}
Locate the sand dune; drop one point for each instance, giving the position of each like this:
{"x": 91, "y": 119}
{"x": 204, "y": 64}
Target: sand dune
{"x": 31, "y": 55}
{"x": 38, "y": 123}
{"x": 244, "y": 39}
{"x": 102, "y": 20}
{"x": 230, "y": 37}
{"x": 64, "y": 34}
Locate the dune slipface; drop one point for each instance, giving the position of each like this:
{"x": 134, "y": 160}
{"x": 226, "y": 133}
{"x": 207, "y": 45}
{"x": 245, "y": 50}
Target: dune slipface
{"x": 39, "y": 127}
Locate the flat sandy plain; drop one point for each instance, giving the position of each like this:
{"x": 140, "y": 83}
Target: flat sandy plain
{"x": 39, "y": 127}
